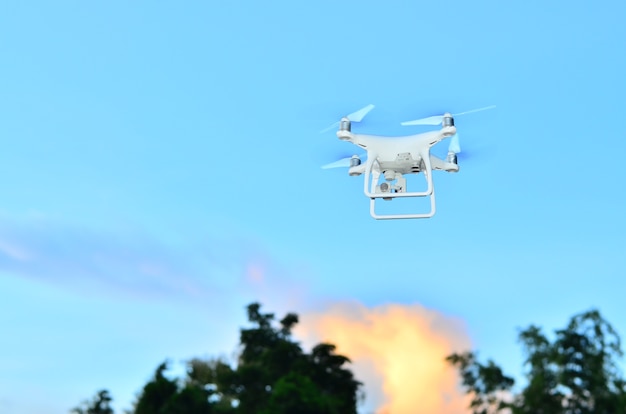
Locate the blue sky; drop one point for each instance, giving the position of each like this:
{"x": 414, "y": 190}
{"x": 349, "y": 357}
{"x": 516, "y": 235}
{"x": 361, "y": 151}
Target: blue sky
{"x": 154, "y": 152}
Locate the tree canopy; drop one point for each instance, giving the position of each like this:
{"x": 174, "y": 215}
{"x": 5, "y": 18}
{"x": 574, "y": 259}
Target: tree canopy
{"x": 100, "y": 404}
{"x": 575, "y": 373}
{"x": 273, "y": 375}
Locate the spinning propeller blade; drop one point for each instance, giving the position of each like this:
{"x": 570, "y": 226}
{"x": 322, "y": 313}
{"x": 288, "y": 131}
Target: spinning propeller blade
{"x": 438, "y": 119}
{"x": 360, "y": 114}
{"x": 353, "y": 117}
{"x": 344, "y": 162}
{"x": 454, "y": 144}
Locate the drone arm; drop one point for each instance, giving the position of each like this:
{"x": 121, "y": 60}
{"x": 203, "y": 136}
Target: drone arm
{"x": 441, "y": 165}
{"x": 437, "y": 163}
{"x": 346, "y": 136}
{"x": 356, "y": 170}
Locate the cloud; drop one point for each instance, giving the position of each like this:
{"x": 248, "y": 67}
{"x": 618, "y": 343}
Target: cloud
{"x": 13, "y": 251}
{"x": 398, "y": 352}
{"x": 138, "y": 264}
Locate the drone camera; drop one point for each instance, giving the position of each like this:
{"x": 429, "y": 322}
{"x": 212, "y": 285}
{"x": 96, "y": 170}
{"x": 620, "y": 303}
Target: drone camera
{"x": 448, "y": 121}
{"x": 384, "y": 188}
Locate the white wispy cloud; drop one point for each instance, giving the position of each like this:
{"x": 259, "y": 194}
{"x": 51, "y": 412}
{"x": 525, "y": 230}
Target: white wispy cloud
{"x": 136, "y": 264}
{"x": 13, "y": 251}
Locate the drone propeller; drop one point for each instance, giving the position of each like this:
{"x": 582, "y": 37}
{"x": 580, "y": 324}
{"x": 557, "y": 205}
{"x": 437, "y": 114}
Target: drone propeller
{"x": 344, "y": 162}
{"x": 353, "y": 117}
{"x": 438, "y": 119}
{"x": 454, "y": 144}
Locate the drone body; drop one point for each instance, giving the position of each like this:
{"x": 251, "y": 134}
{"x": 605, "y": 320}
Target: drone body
{"x": 395, "y": 157}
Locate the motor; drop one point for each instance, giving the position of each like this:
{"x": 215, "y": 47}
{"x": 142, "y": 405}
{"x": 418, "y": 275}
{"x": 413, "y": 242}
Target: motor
{"x": 451, "y": 158}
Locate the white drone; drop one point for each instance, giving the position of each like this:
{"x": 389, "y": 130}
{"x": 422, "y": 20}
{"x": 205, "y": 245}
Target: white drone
{"x": 393, "y": 157}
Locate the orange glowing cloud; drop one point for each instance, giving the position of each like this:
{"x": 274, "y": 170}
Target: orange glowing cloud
{"x": 398, "y": 351}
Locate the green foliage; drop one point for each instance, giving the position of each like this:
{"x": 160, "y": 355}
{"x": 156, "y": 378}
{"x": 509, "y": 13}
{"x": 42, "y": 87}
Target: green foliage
{"x": 100, "y": 404}
{"x": 272, "y": 364}
{"x": 189, "y": 400}
{"x": 157, "y": 393}
{"x": 273, "y": 375}
{"x": 576, "y": 373}
{"x": 297, "y": 394}
{"x": 484, "y": 382}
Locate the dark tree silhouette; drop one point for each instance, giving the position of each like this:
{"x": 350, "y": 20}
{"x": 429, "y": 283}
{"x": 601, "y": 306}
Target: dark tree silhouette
{"x": 576, "y": 373}
{"x": 272, "y": 364}
{"x": 100, "y": 404}
{"x": 273, "y": 375}
{"x": 157, "y": 394}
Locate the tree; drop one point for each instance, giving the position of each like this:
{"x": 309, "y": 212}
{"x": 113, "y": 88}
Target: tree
{"x": 163, "y": 395}
{"x": 576, "y": 373}
{"x": 272, "y": 367}
{"x": 485, "y": 383}
{"x": 296, "y": 394}
{"x": 157, "y": 394}
{"x": 273, "y": 375}
{"x": 100, "y": 404}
